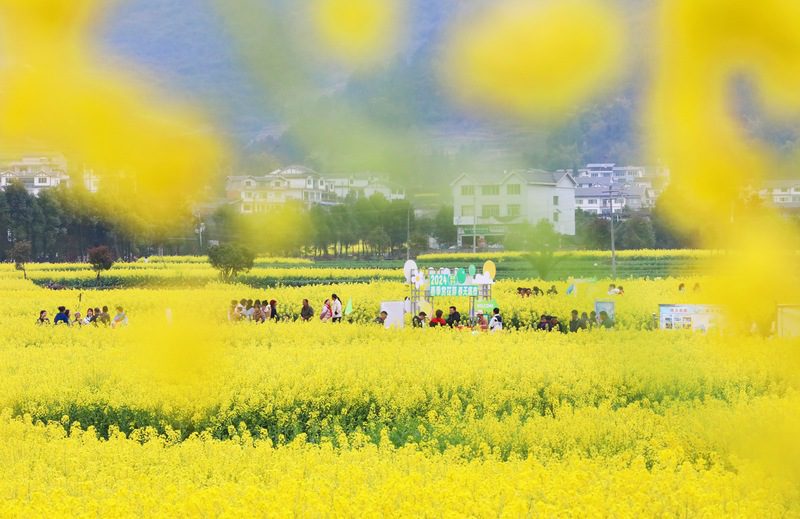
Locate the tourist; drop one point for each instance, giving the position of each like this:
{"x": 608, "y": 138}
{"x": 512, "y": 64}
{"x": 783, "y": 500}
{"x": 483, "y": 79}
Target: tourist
{"x": 233, "y": 314}
{"x": 381, "y": 319}
{"x": 273, "y": 310}
{"x": 696, "y": 287}
{"x": 418, "y": 321}
{"x": 576, "y": 323}
{"x": 258, "y": 316}
{"x": 682, "y": 287}
{"x": 326, "y": 313}
{"x": 537, "y": 292}
{"x": 605, "y": 321}
{"x": 62, "y": 316}
{"x": 43, "y": 319}
{"x": 592, "y": 319}
{"x": 454, "y": 319}
{"x": 620, "y": 291}
{"x": 120, "y": 319}
{"x": 584, "y": 320}
{"x": 89, "y": 316}
{"x": 438, "y": 320}
{"x": 544, "y": 323}
{"x": 249, "y": 310}
{"x": 77, "y": 319}
{"x": 612, "y": 289}
{"x": 552, "y": 291}
{"x": 496, "y": 322}
{"x": 105, "y": 317}
{"x": 557, "y": 325}
{"x": 306, "y": 313}
{"x": 336, "y": 309}
{"x": 96, "y": 316}
{"x": 481, "y": 322}
{"x": 266, "y": 310}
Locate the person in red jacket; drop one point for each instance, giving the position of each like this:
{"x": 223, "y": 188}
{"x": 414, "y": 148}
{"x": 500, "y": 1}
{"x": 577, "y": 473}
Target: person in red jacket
{"x": 438, "y": 320}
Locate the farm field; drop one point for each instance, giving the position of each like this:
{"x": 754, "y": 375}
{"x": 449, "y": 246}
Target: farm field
{"x": 192, "y": 415}
{"x": 169, "y": 271}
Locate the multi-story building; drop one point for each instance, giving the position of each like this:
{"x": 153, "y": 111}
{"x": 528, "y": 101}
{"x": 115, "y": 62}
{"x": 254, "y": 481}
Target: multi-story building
{"x": 35, "y": 173}
{"x": 612, "y": 199}
{"x": 783, "y": 194}
{"x": 486, "y": 207}
{"x": 256, "y": 194}
{"x": 364, "y": 186}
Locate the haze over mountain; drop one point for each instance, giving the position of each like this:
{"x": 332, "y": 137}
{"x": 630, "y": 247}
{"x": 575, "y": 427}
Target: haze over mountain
{"x": 186, "y": 48}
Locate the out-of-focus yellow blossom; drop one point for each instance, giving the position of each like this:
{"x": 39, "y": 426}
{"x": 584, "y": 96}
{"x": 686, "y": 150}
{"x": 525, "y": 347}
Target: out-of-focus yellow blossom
{"x": 536, "y": 59}
{"x": 704, "y": 45}
{"x": 358, "y": 31}
{"x": 151, "y": 154}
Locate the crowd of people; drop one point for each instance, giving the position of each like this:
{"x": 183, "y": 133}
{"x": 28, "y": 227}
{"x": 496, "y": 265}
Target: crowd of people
{"x": 453, "y": 320}
{"x": 263, "y": 310}
{"x": 94, "y": 316}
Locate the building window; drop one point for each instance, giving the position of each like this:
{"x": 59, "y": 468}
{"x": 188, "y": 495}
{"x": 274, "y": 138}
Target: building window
{"x": 555, "y": 216}
{"x": 555, "y": 200}
{"x": 514, "y": 210}
{"x": 490, "y": 211}
{"x": 490, "y": 190}
{"x": 579, "y": 202}
{"x": 467, "y": 190}
{"x": 41, "y": 180}
{"x": 467, "y": 210}
{"x": 513, "y": 189}
{"x": 592, "y": 202}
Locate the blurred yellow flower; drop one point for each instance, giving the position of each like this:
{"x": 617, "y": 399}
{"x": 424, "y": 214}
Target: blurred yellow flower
{"x": 152, "y": 155}
{"x": 358, "y": 31}
{"x": 535, "y": 59}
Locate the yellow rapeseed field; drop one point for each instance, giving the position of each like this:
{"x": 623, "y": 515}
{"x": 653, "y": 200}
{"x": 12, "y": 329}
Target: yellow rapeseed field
{"x": 192, "y": 415}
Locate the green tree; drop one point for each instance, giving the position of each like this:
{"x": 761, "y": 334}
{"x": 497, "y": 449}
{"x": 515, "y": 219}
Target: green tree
{"x": 444, "y": 230}
{"x": 637, "y": 233}
{"x": 100, "y": 258}
{"x": 21, "y": 210}
{"x": 5, "y": 225}
{"x": 21, "y": 253}
{"x": 539, "y": 244}
{"x": 230, "y": 260}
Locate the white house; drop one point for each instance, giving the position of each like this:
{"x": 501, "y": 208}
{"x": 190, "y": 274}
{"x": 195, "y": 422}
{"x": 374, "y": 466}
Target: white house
{"x": 255, "y": 194}
{"x": 35, "y": 173}
{"x": 486, "y": 207}
{"x": 613, "y": 198}
{"x": 783, "y": 194}
{"x": 364, "y": 186}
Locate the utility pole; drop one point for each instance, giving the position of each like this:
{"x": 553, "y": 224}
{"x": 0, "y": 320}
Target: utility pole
{"x": 474, "y": 219}
{"x": 611, "y": 195}
{"x": 408, "y": 233}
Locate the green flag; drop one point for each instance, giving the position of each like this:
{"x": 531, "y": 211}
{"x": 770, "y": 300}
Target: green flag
{"x": 349, "y": 308}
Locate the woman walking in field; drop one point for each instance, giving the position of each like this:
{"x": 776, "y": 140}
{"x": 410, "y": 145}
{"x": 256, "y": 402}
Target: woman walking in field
{"x": 336, "y": 308}
{"x": 326, "y": 313}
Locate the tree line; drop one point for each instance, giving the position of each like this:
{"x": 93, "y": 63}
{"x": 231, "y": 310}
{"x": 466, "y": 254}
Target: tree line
{"x": 63, "y": 223}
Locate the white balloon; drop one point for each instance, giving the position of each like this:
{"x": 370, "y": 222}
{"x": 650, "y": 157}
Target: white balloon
{"x": 409, "y": 267}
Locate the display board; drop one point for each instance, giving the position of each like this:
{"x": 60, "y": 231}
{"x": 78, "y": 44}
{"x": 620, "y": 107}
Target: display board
{"x": 689, "y": 317}
{"x": 605, "y": 306}
{"x": 396, "y": 311}
{"x": 789, "y": 321}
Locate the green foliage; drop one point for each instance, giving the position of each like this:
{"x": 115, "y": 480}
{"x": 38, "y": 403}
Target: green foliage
{"x": 637, "y": 233}
{"x": 21, "y": 254}
{"x": 230, "y": 260}
{"x": 101, "y": 258}
{"x": 540, "y": 243}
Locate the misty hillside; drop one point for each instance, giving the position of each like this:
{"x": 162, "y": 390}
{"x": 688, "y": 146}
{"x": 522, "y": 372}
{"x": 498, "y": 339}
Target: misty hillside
{"x": 186, "y": 48}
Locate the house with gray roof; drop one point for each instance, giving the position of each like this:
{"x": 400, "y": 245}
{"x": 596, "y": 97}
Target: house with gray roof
{"x": 484, "y": 207}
